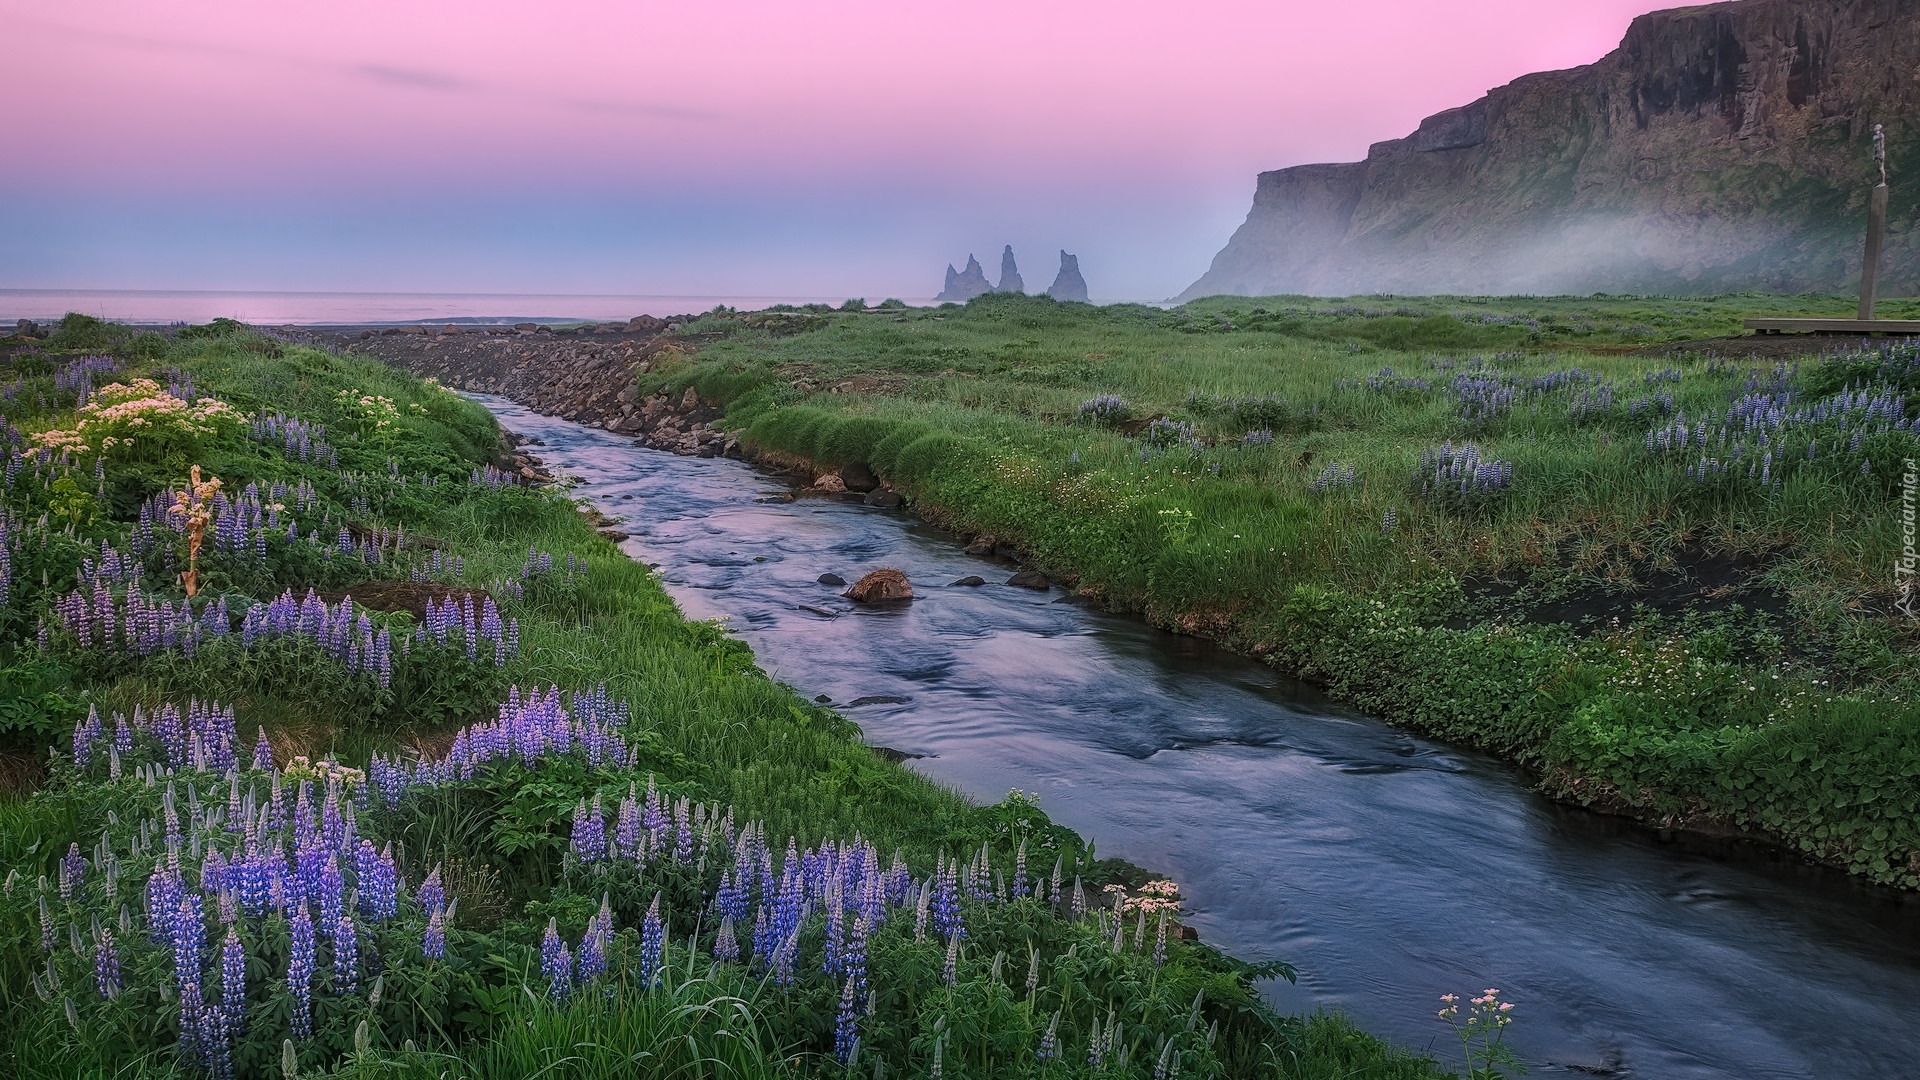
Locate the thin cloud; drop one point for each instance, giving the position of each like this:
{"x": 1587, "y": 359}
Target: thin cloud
{"x": 401, "y": 78}
{"x": 412, "y": 78}
{"x": 634, "y": 108}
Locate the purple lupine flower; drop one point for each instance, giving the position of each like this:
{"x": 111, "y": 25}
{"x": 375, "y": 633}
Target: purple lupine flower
{"x": 589, "y": 832}
{"x": 73, "y": 871}
{"x": 946, "y": 903}
{"x": 106, "y": 965}
{"x": 725, "y": 945}
{"x": 555, "y": 963}
{"x": 846, "y": 1026}
{"x": 300, "y": 972}
{"x": 1050, "y": 1042}
{"x": 626, "y": 833}
{"x": 653, "y": 939}
{"x": 233, "y": 984}
{"x": 262, "y": 751}
{"x": 951, "y": 973}
{"x": 188, "y": 934}
{"x": 434, "y": 945}
{"x": 592, "y": 962}
{"x": 346, "y": 955}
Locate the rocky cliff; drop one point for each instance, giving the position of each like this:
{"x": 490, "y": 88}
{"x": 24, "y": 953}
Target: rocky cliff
{"x": 1720, "y": 147}
{"x": 964, "y": 285}
{"x": 1010, "y": 280}
{"x": 1068, "y": 285}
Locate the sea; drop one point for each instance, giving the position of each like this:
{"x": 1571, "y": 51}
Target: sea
{"x": 262, "y": 308}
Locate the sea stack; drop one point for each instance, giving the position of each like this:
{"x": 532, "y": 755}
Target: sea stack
{"x": 964, "y": 285}
{"x": 1068, "y": 285}
{"x": 1009, "y": 274}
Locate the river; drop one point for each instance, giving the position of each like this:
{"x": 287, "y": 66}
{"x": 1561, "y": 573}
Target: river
{"x": 1388, "y": 868}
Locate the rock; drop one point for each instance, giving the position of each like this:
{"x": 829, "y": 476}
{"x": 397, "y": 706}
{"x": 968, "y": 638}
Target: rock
{"x": 830, "y": 483}
{"x": 831, "y": 579}
{"x": 526, "y": 327}
{"x": 888, "y": 753}
{"x": 1766, "y": 97}
{"x": 858, "y": 477}
{"x": 451, "y": 329}
{"x": 392, "y": 330}
{"x": 1009, "y": 274}
{"x": 419, "y": 330}
{"x": 27, "y": 328}
{"x": 883, "y": 584}
{"x": 689, "y": 400}
{"x": 1030, "y": 579}
{"x": 646, "y": 324}
{"x": 884, "y": 498}
{"x": 879, "y": 699}
{"x": 981, "y": 546}
{"x": 970, "y": 581}
{"x": 1068, "y": 285}
{"x": 365, "y": 334}
{"x": 964, "y": 285}
{"x": 823, "y": 699}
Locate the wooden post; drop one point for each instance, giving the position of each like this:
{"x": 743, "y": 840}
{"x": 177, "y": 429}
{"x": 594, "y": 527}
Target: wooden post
{"x": 1876, "y": 235}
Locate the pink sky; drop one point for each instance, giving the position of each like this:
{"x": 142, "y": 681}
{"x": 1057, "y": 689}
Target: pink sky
{"x": 717, "y": 146}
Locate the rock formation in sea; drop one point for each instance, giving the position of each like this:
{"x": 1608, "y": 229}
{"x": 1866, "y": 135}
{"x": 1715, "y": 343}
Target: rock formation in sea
{"x": 1068, "y": 284}
{"x": 1720, "y": 147}
{"x": 1009, "y": 274}
{"x": 964, "y": 285}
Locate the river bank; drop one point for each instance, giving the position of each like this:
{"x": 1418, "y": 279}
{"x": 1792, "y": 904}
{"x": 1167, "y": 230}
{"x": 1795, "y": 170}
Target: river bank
{"x": 1468, "y": 637}
{"x": 1379, "y": 863}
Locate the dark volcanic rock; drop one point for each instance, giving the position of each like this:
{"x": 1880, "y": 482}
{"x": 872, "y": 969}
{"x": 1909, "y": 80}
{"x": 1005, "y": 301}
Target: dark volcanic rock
{"x": 1030, "y": 579}
{"x": 970, "y": 581}
{"x": 1009, "y": 274}
{"x": 1068, "y": 285}
{"x": 831, "y": 579}
{"x": 1721, "y": 147}
{"x": 964, "y": 285}
{"x": 858, "y": 477}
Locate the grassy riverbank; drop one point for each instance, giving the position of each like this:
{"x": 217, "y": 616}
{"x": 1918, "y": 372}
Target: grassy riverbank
{"x": 650, "y": 859}
{"x": 1659, "y": 573}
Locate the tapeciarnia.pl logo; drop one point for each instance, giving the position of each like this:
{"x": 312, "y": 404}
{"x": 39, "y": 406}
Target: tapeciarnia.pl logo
{"x": 1903, "y": 567}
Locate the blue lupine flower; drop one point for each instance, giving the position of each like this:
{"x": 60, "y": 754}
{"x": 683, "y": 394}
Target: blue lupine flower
{"x": 434, "y": 946}
{"x": 233, "y": 984}
{"x": 555, "y": 963}
{"x": 846, "y": 1026}
{"x": 300, "y": 972}
{"x": 262, "y": 751}
{"x": 653, "y": 938}
{"x": 346, "y": 955}
{"x": 106, "y": 965}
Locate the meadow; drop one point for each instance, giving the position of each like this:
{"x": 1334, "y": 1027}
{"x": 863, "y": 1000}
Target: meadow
{"x": 1599, "y": 536}
{"x": 332, "y": 750}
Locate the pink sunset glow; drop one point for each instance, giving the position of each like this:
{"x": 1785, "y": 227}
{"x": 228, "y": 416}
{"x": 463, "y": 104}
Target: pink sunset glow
{"x": 846, "y": 147}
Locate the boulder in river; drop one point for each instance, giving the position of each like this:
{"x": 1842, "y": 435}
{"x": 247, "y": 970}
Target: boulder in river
{"x": 884, "y": 498}
{"x": 1030, "y": 579}
{"x": 970, "y": 581}
{"x": 885, "y": 583}
{"x": 829, "y": 482}
{"x": 831, "y": 579}
{"x": 858, "y": 477}
{"x": 981, "y": 546}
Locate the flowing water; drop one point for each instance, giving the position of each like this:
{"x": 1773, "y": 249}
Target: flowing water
{"x": 1388, "y": 868}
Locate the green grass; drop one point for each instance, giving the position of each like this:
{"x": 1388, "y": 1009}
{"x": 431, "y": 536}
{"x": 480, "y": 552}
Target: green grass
{"x": 707, "y": 724}
{"x": 1544, "y": 621}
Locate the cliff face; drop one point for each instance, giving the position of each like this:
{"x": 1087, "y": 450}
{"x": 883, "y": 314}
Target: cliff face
{"x": 1719, "y": 148}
